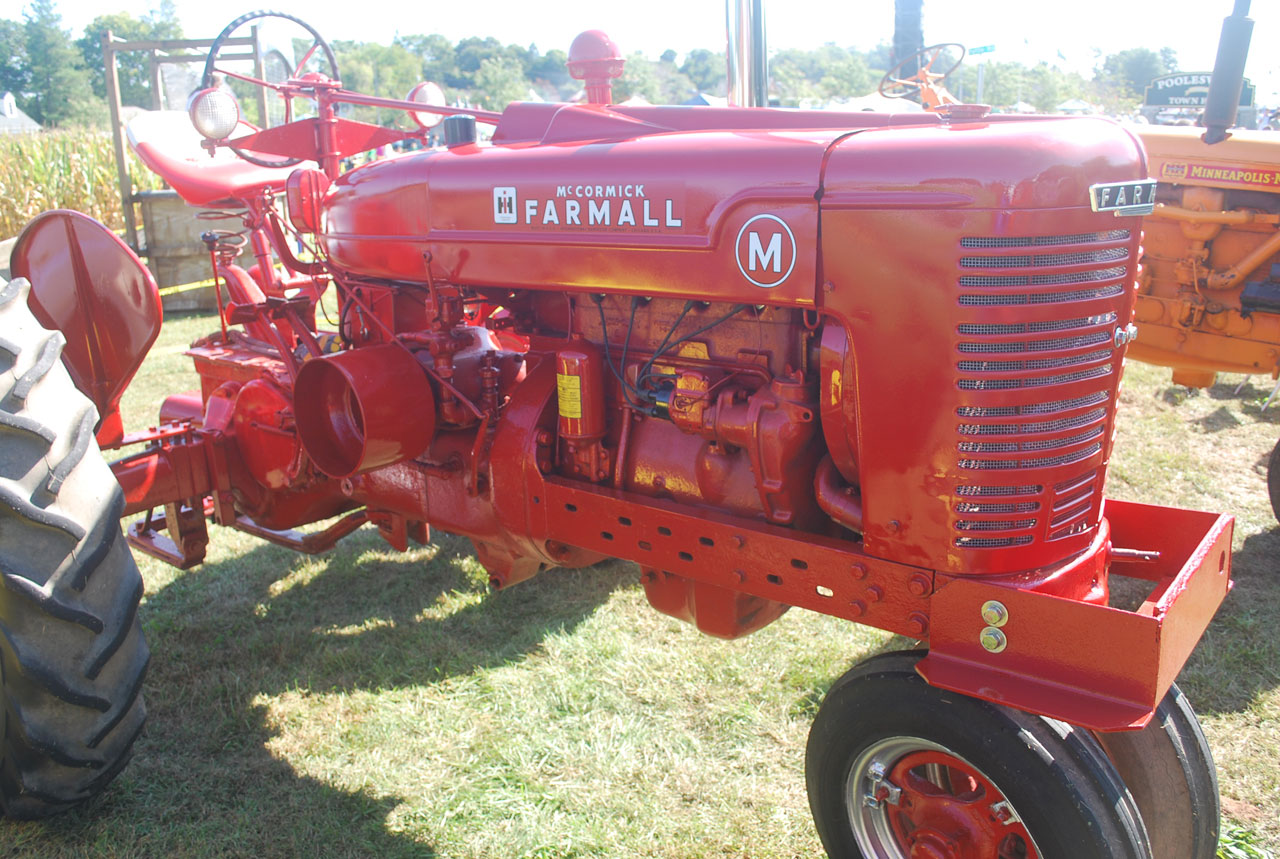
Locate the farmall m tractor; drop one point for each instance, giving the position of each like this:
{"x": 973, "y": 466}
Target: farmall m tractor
{"x": 863, "y": 364}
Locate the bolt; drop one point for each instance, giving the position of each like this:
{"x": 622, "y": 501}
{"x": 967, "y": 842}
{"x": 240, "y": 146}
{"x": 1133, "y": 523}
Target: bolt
{"x": 859, "y": 571}
{"x": 919, "y": 585}
{"x": 742, "y": 576}
{"x": 993, "y": 639}
{"x": 739, "y": 541}
{"x": 1003, "y": 812}
{"x": 348, "y": 488}
{"x": 544, "y": 437}
{"x": 894, "y": 526}
{"x": 829, "y": 286}
{"x": 994, "y": 613}
{"x": 857, "y": 608}
{"x": 917, "y": 623}
{"x": 874, "y": 593}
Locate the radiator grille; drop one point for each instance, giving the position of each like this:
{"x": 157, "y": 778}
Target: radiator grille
{"x": 999, "y": 279}
{"x": 1039, "y": 260}
{"x": 1045, "y": 462}
{"x": 993, "y": 542}
{"x": 1058, "y": 425}
{"x": 995, "y": 524}
{"x": 1043, "y": 241}
{"x": 993, "y": 329}
{"x": 1043, "y": 279}
{"x": 1037, "y": 364}
{"x": 971, "y": 491}
{"x": 1035, "y": 381}
{"x": 1057, "y": 344}
{"x": 1033, "y": 408}
{"x": 1021, "y": 507}
{"x": 992, "y": 300}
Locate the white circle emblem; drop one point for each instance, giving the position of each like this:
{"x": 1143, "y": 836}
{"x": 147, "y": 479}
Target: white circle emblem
{"x": 766, "y": 254}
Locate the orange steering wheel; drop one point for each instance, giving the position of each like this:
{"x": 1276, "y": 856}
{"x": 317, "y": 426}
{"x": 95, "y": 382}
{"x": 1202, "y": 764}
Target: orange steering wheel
{"x": 925, "y": 80}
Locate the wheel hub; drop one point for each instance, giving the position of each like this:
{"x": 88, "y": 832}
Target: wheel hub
{"x": 920, "y": 800}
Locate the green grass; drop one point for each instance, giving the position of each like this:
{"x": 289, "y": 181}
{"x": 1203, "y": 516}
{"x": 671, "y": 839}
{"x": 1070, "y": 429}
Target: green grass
{"x": 369, "y": 703}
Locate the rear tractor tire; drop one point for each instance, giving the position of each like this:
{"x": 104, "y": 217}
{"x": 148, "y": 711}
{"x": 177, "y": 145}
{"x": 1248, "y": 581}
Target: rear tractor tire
{"x": 898, "y": 769}
{"x": 72, "y": 655}
{"x": 1273, "y": 480}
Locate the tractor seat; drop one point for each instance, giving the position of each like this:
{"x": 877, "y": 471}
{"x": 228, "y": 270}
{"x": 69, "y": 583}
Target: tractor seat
{"x": 167, "y": 143}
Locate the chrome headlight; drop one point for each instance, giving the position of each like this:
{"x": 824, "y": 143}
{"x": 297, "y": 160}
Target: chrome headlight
{"x": 427, "y": 93}
{"x": 214, "y": 112}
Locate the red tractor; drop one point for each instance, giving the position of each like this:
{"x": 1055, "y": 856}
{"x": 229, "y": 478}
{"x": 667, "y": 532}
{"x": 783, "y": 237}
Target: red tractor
{"x": 863, "y": 364}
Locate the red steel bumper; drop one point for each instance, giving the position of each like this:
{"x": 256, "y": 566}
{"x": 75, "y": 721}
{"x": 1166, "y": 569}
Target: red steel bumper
{"x": 1096, "y": 666}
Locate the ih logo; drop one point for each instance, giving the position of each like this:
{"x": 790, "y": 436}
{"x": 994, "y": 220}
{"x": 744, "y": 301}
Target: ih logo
{"x": 766, "y": 250}
{"x": 504, "y": 205}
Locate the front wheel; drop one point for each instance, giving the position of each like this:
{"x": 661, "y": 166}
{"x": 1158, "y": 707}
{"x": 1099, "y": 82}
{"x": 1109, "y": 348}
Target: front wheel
{"x": 72, "y": 656}
{"x": 897, "y": 769}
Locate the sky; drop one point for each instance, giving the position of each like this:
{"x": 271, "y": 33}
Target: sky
{"x": 1070, "y": 34}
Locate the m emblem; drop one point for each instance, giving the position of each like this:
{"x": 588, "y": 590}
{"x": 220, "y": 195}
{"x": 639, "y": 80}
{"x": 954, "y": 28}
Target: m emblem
{"x": 766, "y": 251}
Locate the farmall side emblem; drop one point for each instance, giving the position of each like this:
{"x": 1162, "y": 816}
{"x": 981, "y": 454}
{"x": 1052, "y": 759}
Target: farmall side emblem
{"x": 1124, "y": 199}
{"x": 504, "y": 205}
{"x": 766, "y": 250}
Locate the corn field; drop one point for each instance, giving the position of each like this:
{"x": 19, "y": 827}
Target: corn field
{"x": 61, "y": 170}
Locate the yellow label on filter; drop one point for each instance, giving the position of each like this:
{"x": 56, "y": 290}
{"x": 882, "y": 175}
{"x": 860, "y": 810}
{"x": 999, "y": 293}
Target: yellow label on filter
{"x": 569, "y": 395}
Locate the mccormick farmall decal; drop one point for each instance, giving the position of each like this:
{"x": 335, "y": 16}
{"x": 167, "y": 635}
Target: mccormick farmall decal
{"x": 632, "y": 206}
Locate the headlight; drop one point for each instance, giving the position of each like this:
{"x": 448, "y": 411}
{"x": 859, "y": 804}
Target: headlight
{"x": 214, "y": 113}
{"x": 427, "y": 93}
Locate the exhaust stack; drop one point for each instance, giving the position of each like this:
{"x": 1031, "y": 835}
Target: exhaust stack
{"x": 748, "y": 60}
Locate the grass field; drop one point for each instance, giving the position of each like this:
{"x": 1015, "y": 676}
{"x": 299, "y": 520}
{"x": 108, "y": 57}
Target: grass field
{"x": 367, "y": 703}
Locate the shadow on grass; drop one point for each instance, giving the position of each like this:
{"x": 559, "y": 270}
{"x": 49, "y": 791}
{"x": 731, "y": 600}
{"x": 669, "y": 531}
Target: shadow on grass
{"x": 1239, "y": 656}
{"x": 203, "y": 781}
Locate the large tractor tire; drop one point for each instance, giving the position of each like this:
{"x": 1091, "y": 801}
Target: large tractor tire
{"x": 72, "y": 655}
{"x": 1273, "y": 480}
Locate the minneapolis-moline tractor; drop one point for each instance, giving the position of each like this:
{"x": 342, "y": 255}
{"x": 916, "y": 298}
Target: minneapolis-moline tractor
{"x": 859, "y": 363}
{"x": 1209, "y": 289}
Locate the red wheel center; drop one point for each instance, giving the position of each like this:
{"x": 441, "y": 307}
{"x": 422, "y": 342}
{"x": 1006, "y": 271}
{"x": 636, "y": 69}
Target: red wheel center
{"x": 948, "y": 810}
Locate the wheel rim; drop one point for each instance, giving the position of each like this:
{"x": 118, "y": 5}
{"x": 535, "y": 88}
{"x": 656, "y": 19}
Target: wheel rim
{"x": 909, "y": 798}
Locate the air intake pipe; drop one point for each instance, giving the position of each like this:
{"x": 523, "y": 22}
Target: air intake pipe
{"x": 363, "y": 409}
{"x": 1228, "y": 73}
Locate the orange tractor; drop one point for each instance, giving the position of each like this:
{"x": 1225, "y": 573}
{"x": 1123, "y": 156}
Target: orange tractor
{"x": 1209, "y": 286}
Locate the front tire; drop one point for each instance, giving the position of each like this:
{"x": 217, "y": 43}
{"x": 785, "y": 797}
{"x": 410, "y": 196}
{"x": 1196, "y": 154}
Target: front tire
{"x": 896, "y": 768}
{"x": 72, "y": 654}
{"x": 1168, "y": 768}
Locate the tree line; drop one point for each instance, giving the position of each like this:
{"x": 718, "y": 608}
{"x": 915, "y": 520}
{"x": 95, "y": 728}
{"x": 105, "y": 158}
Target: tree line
{"x": 60, "y": 81}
